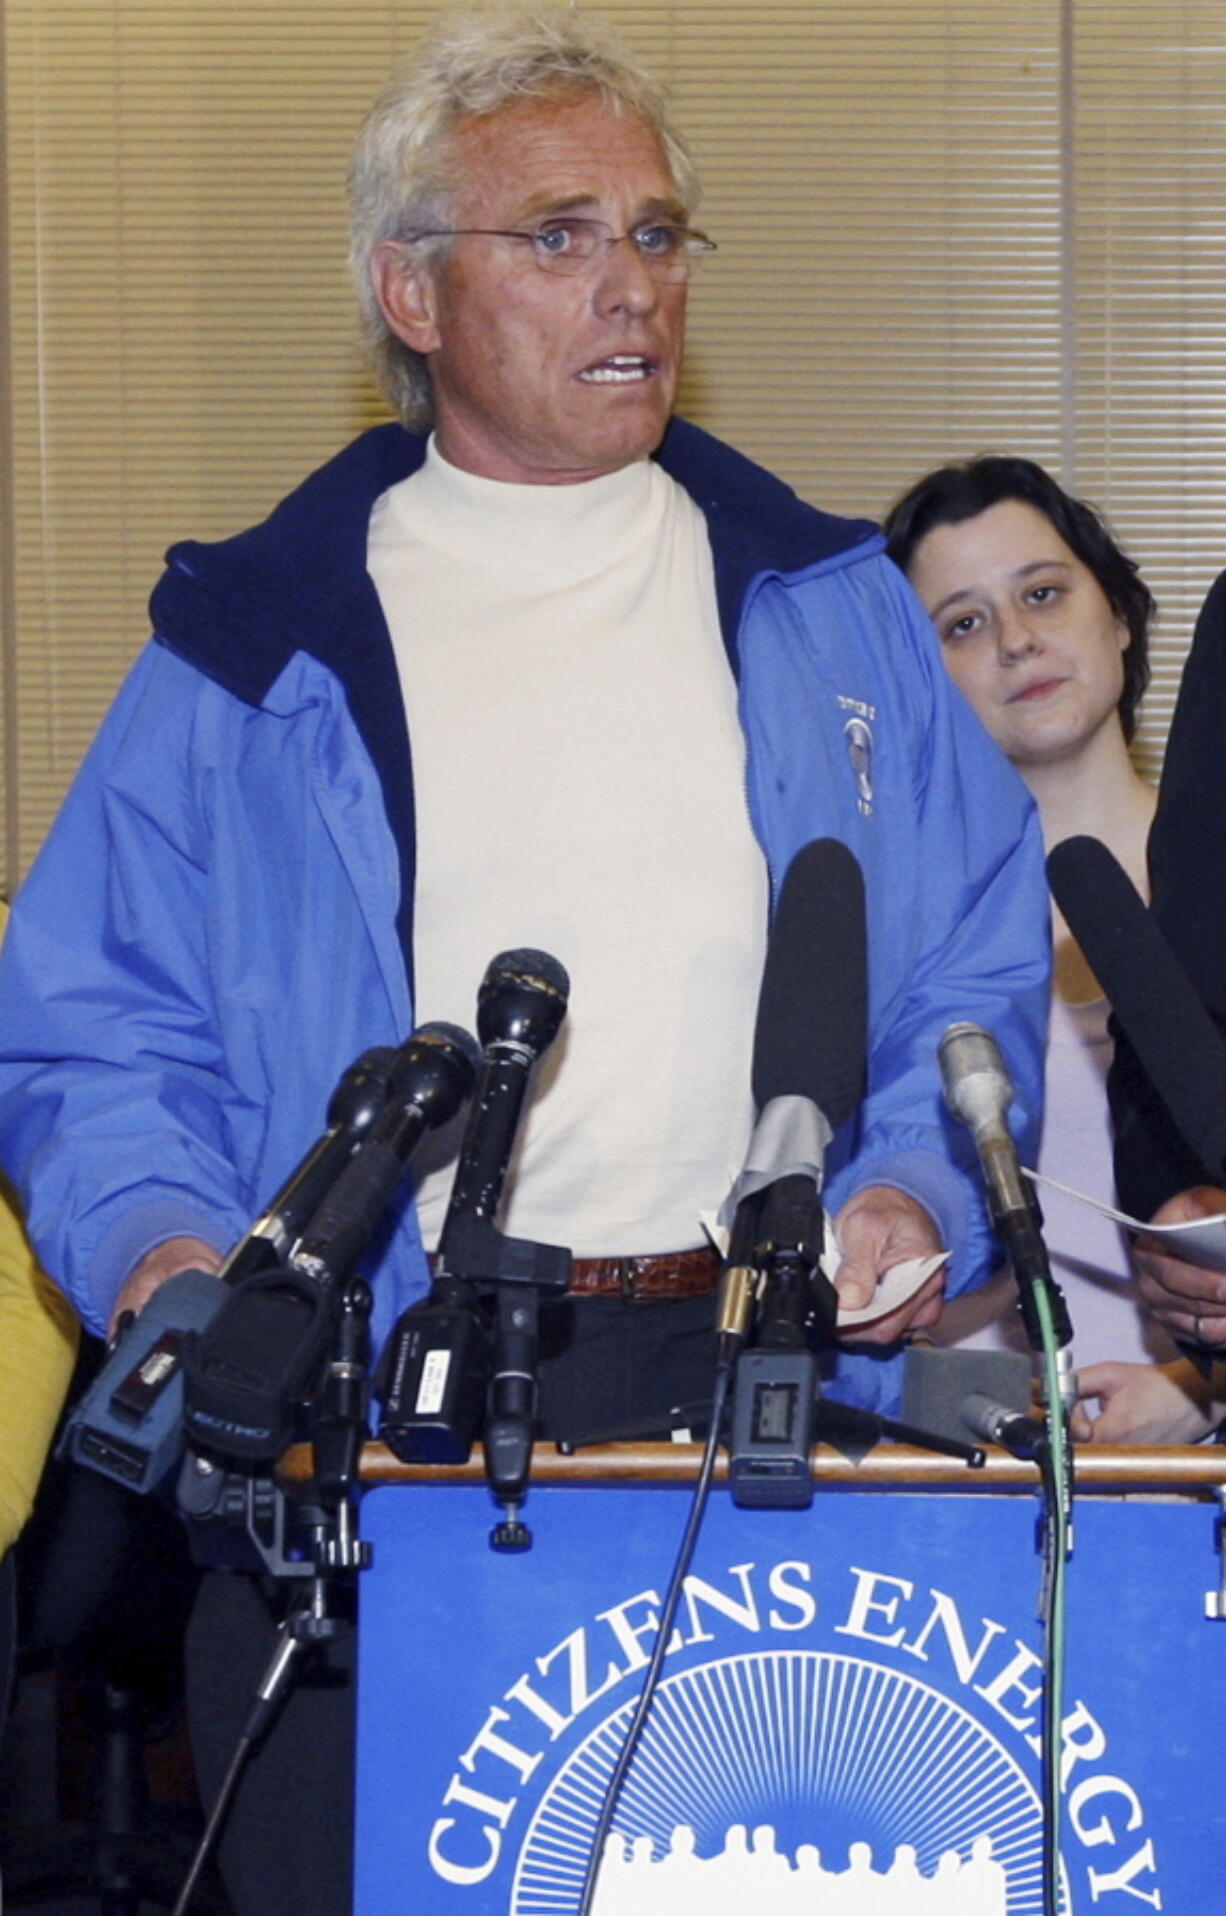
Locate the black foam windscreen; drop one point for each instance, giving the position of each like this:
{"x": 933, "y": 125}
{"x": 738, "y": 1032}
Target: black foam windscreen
{"x": 522, "y": 999}
{"x": 811, "y": 1033}
{"x": 936, "y": 1384}
{"x": 1178, "y": 1044}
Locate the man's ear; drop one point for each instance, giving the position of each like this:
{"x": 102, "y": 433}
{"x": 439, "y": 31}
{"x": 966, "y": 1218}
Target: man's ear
{"x": 404, "y": 287}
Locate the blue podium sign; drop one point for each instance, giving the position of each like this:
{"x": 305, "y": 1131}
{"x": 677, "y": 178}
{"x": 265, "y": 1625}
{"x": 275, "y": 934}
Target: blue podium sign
{"x": 848, "y": 1719}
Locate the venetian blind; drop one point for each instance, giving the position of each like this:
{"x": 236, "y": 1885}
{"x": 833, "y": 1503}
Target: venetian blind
{"x": 1149, "y": 171}
{"x": 890, "y": 184}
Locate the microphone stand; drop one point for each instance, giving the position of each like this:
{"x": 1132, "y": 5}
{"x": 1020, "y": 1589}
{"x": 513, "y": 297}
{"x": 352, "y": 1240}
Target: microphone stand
{"x": 778, "y": 1410}
{"x": 329, "y": 1514}
{"x": 776, "y": 1417}
{"x": 477, "y": 1253}
{"x": 439, "y": 1357}
{"x": 777, "y": 1388}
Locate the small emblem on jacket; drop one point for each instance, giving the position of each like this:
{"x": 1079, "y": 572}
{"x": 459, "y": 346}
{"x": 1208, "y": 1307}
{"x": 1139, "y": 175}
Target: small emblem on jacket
{"x": 859, "y": 735}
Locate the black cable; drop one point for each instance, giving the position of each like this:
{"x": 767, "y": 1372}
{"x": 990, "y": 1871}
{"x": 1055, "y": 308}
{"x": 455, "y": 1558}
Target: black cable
{"x": 270, "y": 1693}
{"x": 668, "y": 1611}
{"x": 216, "y": 1817}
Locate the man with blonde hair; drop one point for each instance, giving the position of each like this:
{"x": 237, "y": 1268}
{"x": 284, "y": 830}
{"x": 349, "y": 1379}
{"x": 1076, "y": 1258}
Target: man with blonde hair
{"x": 626, "y": 662}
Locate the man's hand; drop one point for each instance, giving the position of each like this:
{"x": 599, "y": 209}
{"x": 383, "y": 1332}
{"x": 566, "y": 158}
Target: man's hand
{"x": 1187, "y": 1298}
{"x": 878, "y": 1228}
{"x": 162, "y": 1262}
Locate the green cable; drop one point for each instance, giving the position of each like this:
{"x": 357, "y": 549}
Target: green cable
{"x": 1056, "y": 1467}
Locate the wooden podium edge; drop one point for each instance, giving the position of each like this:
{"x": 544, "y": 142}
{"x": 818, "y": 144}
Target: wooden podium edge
{"x": 1195, "y": 1471}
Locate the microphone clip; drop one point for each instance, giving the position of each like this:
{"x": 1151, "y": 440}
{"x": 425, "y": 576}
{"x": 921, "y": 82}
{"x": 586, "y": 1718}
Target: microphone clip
{"x": 775, "y": 1403}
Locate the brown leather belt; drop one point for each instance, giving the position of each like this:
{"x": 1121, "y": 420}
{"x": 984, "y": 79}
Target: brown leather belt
{"x": 671, "y": 1274}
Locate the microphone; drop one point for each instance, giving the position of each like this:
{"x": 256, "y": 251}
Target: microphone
{"x": 979, "y": 1091}
{"x": 1181, "y": 1049}
{"x": 129, "y": 1424}
{"x": 810, "y": 1043}
{"x": 359, "y": 1097}
{"x": 1023, "y": 1436}
{"x": 434, "y": 1377}
{"x": 246, "y": 1374}
{"x": 432, "y": 1076}
{"x": 521, "y": 1003}
{"x": 808, "y": 1074}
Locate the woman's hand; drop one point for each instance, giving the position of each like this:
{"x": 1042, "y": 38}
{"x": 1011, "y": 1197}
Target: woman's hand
{"x": 1145, "y": 1404}
{"x": 1187, "y": 1298}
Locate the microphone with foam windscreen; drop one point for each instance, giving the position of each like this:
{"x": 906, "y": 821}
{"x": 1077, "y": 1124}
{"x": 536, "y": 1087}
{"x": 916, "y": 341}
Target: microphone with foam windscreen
{"x": 1179, "y": 1046}
{"x": 809, "y": 1053}
{"x": 808, "y": 1077}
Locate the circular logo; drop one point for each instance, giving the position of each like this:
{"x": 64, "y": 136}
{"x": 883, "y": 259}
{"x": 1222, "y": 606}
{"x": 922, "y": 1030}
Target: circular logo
{"x": 789, "y": 1779}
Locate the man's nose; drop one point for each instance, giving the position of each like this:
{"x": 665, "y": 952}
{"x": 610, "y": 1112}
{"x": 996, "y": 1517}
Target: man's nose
{"x": 624, "y": 281}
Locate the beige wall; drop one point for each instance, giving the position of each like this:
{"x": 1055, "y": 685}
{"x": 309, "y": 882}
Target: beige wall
{"x": 942, "y": 225}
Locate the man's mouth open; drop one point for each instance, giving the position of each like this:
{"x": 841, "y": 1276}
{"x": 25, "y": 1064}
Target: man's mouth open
{"x": 619, "y": 369}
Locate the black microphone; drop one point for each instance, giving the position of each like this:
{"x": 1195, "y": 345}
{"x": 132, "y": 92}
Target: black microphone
{"x": 359, "y": 1098}
{"x": 433, "y": 1381}
{"x": 1180, "y": 1048}
{"x": 1013, "y": 1430}
{"x": 810, "y": 1043}
{"x": 129, "y": 1424}
{"x": 979, "y": 1091}
{"x": 432, "y": 1076}
{"x": 247, "y": 1374}
{"x": 521, "y": 1003}
{"x": 520, "y": 1006}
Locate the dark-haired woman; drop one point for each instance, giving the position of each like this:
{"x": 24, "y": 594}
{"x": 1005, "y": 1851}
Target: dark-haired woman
{"x": 1043, "y": 622}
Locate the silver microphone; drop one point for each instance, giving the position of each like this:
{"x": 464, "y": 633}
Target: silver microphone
{"x": 979, "y": 1091}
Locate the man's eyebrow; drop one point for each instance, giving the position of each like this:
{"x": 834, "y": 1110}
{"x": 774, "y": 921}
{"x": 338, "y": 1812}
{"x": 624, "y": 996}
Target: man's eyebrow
{"x": 664, "y": 208}
{"x": 545, "y": 205}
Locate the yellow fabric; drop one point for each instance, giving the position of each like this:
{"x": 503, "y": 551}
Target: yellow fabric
{"x": 38, "y": 1342}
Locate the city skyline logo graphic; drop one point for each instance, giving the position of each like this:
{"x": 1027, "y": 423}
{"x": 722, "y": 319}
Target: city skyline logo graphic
{"x": 789, "y": 1775}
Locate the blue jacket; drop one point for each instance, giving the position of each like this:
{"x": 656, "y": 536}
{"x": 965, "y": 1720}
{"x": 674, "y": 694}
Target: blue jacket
{"x": 221, "y": 918}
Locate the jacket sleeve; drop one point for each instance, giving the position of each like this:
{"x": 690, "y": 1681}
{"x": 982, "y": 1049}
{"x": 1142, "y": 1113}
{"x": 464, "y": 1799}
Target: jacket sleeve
{"x": 1187, "y": 862}
{"x": 114, "y": 1096}
{"x": 958, "y": 914}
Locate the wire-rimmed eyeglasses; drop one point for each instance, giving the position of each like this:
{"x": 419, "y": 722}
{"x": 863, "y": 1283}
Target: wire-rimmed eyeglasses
{"x": 572, "y": 245}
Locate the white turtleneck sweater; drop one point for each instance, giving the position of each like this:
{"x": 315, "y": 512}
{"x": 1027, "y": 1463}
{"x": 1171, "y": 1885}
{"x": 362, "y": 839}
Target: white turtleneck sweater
{"x": 579, "y": 779}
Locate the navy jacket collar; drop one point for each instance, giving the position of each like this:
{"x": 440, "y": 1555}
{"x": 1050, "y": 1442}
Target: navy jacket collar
{"x": 240, "y": 609}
